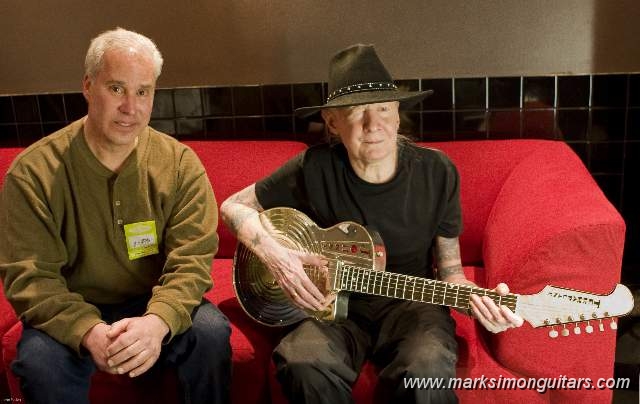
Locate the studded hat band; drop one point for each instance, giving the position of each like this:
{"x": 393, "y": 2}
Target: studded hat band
{"x": 356, "y": 88}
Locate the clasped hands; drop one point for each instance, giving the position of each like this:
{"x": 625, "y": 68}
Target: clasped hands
{"x": 129, "y": 346}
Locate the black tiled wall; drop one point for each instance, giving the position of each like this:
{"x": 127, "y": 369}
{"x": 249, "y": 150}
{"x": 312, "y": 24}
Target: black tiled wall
{"x": 597, "y": 115}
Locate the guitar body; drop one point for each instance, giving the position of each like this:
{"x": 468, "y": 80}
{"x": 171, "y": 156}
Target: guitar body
{"x": 259, "y": 294}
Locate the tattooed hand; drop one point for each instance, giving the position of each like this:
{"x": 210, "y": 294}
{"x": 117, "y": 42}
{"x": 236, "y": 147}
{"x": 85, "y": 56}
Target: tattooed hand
{"x": 241, "y": 214}
{"x": 492, "y": 317}
{"x": 287, "y": 267}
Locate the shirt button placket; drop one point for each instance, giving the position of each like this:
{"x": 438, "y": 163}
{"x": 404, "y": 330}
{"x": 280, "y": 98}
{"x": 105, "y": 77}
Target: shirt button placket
{"x": 117, "y": 204}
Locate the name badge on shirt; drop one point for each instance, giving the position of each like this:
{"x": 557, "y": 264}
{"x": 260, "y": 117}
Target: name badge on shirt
{"x": 142, "y": 239}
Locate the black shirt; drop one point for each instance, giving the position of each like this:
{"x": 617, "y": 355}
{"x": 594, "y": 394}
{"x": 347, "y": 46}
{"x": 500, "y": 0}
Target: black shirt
{"x": 420, "y": 202}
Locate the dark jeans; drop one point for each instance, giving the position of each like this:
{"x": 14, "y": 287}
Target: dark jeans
{"x": 319, "y": 362}
{"x": 53, "y": 373}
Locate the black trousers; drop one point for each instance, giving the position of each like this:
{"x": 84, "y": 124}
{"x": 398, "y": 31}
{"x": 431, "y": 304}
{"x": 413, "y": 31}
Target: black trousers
{"x": 318, "y": 362}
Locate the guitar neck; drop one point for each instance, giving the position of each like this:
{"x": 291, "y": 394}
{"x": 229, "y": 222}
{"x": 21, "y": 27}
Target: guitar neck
{"x": 399, "y": 286}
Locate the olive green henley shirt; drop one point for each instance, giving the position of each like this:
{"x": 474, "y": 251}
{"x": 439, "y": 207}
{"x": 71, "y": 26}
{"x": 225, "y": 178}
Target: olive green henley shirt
{"x": 62, "y": 232}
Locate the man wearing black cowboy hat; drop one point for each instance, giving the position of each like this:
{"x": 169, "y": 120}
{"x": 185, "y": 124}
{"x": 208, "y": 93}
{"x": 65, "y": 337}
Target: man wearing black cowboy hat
{"x": 408, "y": 194}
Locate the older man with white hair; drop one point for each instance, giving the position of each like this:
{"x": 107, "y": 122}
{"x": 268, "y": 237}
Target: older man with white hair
{"x": 368, "y": 174}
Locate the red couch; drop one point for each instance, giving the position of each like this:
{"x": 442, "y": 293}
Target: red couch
{"x": 533, "y": 216}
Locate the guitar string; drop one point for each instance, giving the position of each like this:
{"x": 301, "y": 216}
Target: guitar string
{"x": 438, "y": 292}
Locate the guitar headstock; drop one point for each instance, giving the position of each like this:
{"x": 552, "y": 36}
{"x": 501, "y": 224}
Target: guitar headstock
{"x": 555, "y": 306}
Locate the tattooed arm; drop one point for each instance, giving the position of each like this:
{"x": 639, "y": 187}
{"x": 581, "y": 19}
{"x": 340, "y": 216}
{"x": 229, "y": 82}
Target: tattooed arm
{"x": 492, "y": 317}
{"x": 448, "y": 260}
{"x": 240, "y": 212}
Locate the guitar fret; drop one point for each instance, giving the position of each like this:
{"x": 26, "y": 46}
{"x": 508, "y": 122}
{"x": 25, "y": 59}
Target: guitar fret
{"x": 413, "y": 287}
{"x": 444, "y": 294}
{"x": 391, "y": 279}
{"x": 387, "y": 280}
{"x": 348, "y": 277}
{"x": 455, "y": 303}
{"x": 375, "y": 281}
{"x": 354, "y": 279}
{"x": 337, "y": 281}
{"x": 354, "y": 276}
{"x": 404, "y": 289}
{"x": 413, "y": 290}
{"x": 345, "y": 276}
{"x": 368, "y": 279}
{"x": 363, "y": 275}
{"x": 433, "y": 292}
{"x": 395, "y": 290}
{"x": 414, "y": 281}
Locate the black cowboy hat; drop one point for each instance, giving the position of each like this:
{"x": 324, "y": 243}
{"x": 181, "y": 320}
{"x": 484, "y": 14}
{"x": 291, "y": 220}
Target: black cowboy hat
{"x": 357, "y": 77}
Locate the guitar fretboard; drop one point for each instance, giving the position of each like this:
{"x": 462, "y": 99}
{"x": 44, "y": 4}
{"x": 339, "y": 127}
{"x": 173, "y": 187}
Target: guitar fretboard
{"x": 399, "y": 286}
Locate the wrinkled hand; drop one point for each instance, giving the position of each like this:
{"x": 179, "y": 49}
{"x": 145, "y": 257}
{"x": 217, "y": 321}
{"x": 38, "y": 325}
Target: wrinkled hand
{"x": 136, "y": 345}
{"x": 493, "y": 318}
{"x": 96, "y": 342}
{"x": 286, "y": 266}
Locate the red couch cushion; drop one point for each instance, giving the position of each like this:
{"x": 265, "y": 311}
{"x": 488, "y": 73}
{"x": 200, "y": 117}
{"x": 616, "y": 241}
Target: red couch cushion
{"x": 252, "y": 343}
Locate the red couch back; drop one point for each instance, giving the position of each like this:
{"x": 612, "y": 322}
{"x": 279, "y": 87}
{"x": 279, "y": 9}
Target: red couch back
{"x": 483, "y": 165}
{"x": 7, "y": 154}
{"x": 233, "y": 165}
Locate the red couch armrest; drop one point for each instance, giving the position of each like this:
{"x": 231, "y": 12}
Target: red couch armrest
{"x": 551, "y": 224}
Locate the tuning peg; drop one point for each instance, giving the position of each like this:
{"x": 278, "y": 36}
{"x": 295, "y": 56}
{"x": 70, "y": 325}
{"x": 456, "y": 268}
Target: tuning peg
{"x": 613, "y": 324}
{"x": 553, "y": 333}
{"x": 577, "y": 330}
{"x": 600, "y": 325}
{"x": 564, "y": 332}
{"x": 588, "y": 328}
